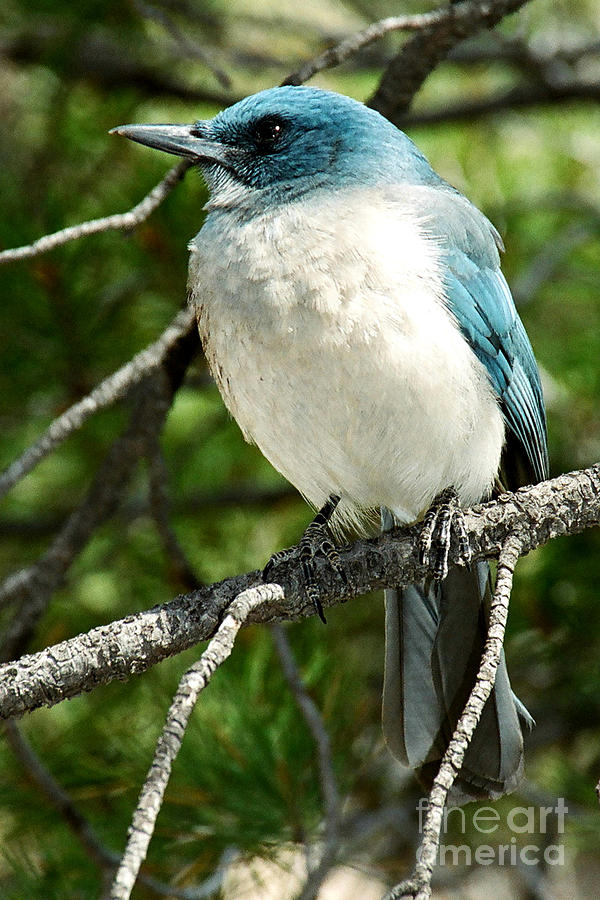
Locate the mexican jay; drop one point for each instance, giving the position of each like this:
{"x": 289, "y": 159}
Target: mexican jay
{"x": 356, "y": 321}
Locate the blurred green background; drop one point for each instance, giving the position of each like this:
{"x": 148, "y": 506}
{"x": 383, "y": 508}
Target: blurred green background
{"x": 246, "y": 778}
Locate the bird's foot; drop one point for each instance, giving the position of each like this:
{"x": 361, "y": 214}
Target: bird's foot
{"x": 315, "y": 540}
{"x": 443, "y": 516}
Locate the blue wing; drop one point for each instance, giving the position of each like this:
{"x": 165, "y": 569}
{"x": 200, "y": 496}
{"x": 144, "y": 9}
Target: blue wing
{"x": 480, "y": 300}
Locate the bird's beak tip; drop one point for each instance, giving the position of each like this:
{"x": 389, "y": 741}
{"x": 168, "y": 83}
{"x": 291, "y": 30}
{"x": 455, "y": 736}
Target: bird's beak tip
{"x": 125, "y": 130}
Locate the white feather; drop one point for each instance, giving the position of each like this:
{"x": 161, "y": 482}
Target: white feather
{"x": 326, "y": 329}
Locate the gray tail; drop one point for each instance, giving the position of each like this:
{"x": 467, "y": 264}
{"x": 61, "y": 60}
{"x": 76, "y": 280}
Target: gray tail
{"x": 434, "y": 639}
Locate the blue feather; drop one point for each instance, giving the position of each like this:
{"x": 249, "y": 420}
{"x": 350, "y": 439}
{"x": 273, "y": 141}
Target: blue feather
{"x": 480, "y": 300}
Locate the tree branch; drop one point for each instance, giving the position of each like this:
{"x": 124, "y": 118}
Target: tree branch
{"x": 180, "y": 567}
{"x": 106, "y": 62}
{"x": 169, "y": 743}
{"x": 513, "y": 525}
{"x": 186, "y": 45}
{"x": 564, "y": 505}
{"x": 40, "y": 775}
{"x": 329, "y": 788}
{"x": 418, "y": 58}
{"x": 33, "y": 586}
{"x": 419, "y": 885}
{"x": 439, "y": 31}
{"x": 338, "y": 54}
{"x": 106, "y": 859}
{"x": 138, "y": 507}
{"x": 116, "y": 222}
{"x": 520, "y": 97}
{"x": 113, "y": 388}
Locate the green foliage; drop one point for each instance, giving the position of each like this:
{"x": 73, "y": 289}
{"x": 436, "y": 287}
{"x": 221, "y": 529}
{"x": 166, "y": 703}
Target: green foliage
{"x": 246, "y": 776}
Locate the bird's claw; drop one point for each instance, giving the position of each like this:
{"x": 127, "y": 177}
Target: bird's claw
{"x": 273, "y": 561}
{"x": 313, "y": 542}
{"x": 443, "y": 516}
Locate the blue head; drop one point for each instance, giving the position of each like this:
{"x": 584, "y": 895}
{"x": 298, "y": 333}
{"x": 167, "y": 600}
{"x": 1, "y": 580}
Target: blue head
{"x": 286, "y": 141}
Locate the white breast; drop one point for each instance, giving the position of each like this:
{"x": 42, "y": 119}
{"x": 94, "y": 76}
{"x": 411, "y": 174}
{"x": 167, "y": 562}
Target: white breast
{"x": 326, "y": 330}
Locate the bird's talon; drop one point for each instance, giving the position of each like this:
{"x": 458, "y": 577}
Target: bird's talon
{"x": 444, "y": 517}
{"x": 313, "y": 595}
{"x": 423, "y": 552}
{"x": 273, "y": 562}
{"x": 314, "y": 540}
{"x": 329, "y": 551}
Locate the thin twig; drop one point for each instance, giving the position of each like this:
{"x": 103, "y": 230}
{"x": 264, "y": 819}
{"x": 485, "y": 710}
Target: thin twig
{"x": 106, "y": 859}
{"x": 187, "y": 46}
{"x": 458, "y": 16}
{"x": 329, "y": 788}
{"x": 169, "y": 743}
{"x": 181, "y": 568}
{"x": 34, "y": 585}
{"x": 115, "y": 222}
{"x": 418, "y": 885}
{"x": 334, "y": 56}
{"x": 105, "y": 394}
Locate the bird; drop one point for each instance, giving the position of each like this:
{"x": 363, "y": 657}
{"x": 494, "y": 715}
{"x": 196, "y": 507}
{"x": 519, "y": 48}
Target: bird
{"x": 357, "y": 323}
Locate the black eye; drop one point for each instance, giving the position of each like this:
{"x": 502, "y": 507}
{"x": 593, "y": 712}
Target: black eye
{"x": 267, "y": 132}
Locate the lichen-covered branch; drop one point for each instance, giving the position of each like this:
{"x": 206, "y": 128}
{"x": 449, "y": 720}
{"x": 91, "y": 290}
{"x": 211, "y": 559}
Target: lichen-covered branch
{"x": 534, "y": 515}
{"x": 419, "y": 885}
{"x": 169, "y": 743}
